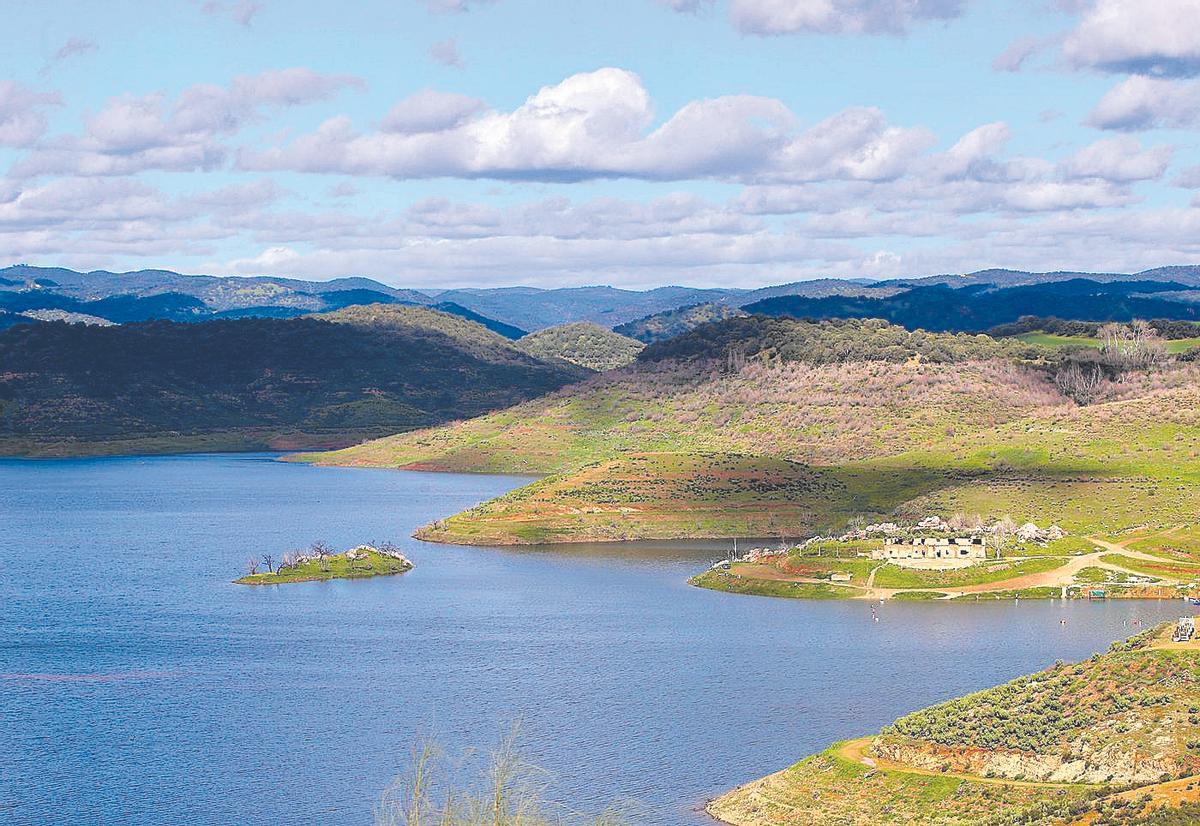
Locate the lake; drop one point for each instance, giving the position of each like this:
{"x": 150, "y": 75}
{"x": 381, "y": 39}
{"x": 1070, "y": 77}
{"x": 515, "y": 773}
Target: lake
{"x": 138, "y": 685}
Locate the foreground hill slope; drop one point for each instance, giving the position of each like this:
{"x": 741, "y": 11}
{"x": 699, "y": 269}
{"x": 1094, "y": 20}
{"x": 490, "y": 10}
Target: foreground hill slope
{"x": 587, "y": 345}
{"x": 1108, "y": 740}
{"x": 821, "y": 393}
{"x": 254, "y": 382}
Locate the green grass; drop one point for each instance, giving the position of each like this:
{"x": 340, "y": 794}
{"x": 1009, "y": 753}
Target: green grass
{"x": 337, "y": 566}
{"x": 1040, "y": 592}
{"x": 827, "y": 788}
{"x": 895, "y": 576}
{"x": 918, "y": 596}
{"x": 1165, "y": 569}
{"x": 1178, "y": 542}
{"x": 1174, "y": 346}
{"x": 733, "y": 584}
{"x": 828, "y": 414}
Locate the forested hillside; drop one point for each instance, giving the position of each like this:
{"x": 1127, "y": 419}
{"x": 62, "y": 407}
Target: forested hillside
{"x": 334, "y": 379}
{"x": 584, "y": 344}
{"x": 827, "y": 342}
{"x": 665, "y": 325}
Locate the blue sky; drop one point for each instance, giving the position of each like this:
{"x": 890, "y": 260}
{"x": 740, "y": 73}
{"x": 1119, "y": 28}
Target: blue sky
{"x": 632, "y": 142}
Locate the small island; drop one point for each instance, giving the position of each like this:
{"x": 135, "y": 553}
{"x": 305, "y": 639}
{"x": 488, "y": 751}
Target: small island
{"x": 320, "y": 562}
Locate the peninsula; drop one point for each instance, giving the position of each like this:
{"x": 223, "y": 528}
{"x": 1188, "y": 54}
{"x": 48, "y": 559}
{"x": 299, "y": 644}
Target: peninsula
{"x": 1113, "y": 739}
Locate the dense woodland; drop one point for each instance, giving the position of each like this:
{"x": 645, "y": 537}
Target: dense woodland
{"x": 584, "y": 344}
{"x": 672, "y": 323}
{"x": 369, "y": 370}
{"x": 827, "y": 342}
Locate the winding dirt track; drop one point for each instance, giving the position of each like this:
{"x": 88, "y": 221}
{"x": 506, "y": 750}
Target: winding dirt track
{"x": 1058, "y": 578}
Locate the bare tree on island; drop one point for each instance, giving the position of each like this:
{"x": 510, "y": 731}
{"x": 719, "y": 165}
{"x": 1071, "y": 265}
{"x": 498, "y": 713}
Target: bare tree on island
{"x": 322, "y": 551}
{"x": 269, "y": 561}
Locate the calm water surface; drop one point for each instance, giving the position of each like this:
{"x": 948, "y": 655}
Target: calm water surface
{"x": 137, "y": 685}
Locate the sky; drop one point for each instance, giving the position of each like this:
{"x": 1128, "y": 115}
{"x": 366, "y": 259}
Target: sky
{"x": 444, "y": 143}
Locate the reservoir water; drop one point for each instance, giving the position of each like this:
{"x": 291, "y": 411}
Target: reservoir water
{"x": 138, "y": 685}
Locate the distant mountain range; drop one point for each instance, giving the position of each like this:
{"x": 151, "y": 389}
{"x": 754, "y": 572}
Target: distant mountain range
{"x": 973, "y": 301}
{"x": 981, "y": 306}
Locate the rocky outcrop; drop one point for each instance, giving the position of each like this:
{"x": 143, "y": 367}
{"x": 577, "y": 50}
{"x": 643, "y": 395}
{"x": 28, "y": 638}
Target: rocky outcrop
{"x": 1114, "y": 764}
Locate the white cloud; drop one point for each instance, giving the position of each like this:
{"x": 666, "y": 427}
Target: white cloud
{"x": 1121, "y": 159}
{"x": 430, "y": 111}
{"x": 22, "y": 120}
{"x": 596, "y": 125}
{"x": 774, "y": 17}
{"x": 1013, "y": 58}
{"x": 1148, "y": 37}
{"x": 1147, "y": 103}
{"x": 131, "y": 133}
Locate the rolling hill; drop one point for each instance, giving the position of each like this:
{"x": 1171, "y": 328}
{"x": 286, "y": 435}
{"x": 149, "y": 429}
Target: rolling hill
{"x": 671, "y": 323}
{"x": 236, "y": 384}
{"x": 791, "y": 399}
{"x": 895, "y": 423}
{"x": 581, "y": 343}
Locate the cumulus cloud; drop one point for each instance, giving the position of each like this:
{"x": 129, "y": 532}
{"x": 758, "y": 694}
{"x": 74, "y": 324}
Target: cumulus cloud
{"x": 22, "y": 120}
{"x": 1147, "y": 103}
{"x": 1137, "y": 37}
{"x": 1120, "y": 159}
{"x": 131, "y": 133}
{"x": 430, "y": 111}
{"x": 775, "y": 17}
{"x": 598, "y": 125}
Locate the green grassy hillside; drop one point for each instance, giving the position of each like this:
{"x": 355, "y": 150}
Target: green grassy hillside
{"x": 1112, "y": 739}
{"x": 1055, "y": 466}
{"x": 908, "y": 423}
{"x": 333, "y": 379}
{"x": 583, "y": 344}
{"x": 822, "y": 414}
